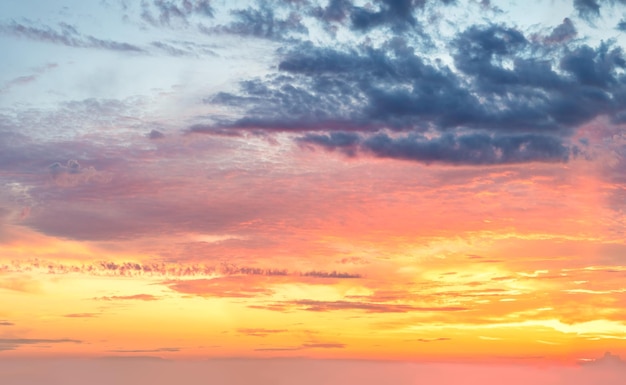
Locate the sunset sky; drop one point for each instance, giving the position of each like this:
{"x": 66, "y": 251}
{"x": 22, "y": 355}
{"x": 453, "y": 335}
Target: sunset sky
{"x": 431, "y": 182}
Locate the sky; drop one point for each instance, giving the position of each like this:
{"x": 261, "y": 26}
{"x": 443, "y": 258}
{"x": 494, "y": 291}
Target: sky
{"x": 341, "y": 188}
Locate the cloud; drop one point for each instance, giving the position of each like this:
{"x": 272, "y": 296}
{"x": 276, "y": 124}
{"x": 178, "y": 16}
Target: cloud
{"x": 595, "y": 67}
{"x": 157, "y": 350}
{"x": 305, "y": 346}
{"x": 323, "y": 346}
{"x": 332, "y": 274}
{"x": 174, "y": 13}
{"x": 562, "y": 33}
{"x": 262, "y": 23}
{"x": 125, "y": 359}
{"x": 252, "y": 282}
{"x": 211, "y": 130}
{"x": 587, "y": 8}
{"x": 480, "y": 112}
{"x": 173, "y": 269}
{"x": 277, "y": 349}
{"x": 65, "y": 35}
{"x": 471, "y": 149}
{"x": 397, "y": 15}
{"x": 6, "y": 323}
{"x": 81, "y": 315}
{"x": 259, "y": 332}
{"x": 72, "y": 174}
{"x": 155, "y": 134}
{"x": 433, "y": 339}
{"x": 15, "y": 343}
{"x": 69, "y": 35}
{"x": 134, "y": 297}
{"x": 334, "y": 11}
{"x": 368, "y": 307}
{"x": 26, "y": 79}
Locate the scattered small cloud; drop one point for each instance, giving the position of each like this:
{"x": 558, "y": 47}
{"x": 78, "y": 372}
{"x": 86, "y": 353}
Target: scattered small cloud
{"x": 155, "y": 134}
{"x": 15, "y": 343}
{"x": 259, "y": 332}
{"x": 368, "y": 307}
{"x": 331, "y": 274}
{"x": 304, "y": 346}
{"x": 73, "y": 173}
{"x": 174, "y": 13}
{"x": 81, "y": 315}
{"x": 135, "y": 297}
{"x": 433, "y": 339}
{"x": 157, "y": 350}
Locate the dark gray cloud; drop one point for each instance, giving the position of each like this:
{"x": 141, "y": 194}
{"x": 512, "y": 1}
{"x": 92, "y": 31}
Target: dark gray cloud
{"x": 587, "y": 8}
{"x": 334, "y": 11}
{"x": 563, "y": 32}
{"x": 472, "y": 149}
{"x": 596, "y": 68}
{"x": 508, "y": 99}
{"x": 174, "y": 12}
{"x": 590, "y": 9}
{"x": 212, "y": 130}
{"x": 66, "y": 35}
{"x": 396, "y": 13}
{"x": 263, "y": 23}
{"x": 260, "y": 19}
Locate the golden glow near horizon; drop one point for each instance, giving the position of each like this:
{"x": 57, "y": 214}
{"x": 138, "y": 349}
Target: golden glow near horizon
{"x": 439, "y": 289}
